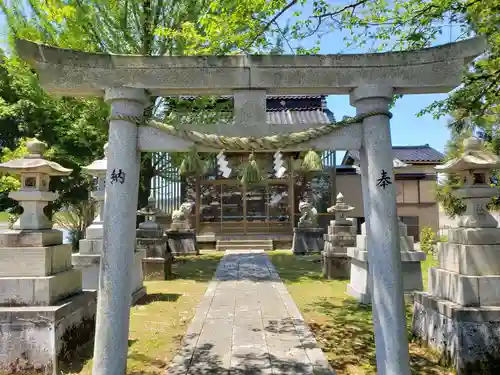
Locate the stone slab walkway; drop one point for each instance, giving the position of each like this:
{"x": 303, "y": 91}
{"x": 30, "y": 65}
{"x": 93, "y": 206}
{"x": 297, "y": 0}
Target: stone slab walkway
{"x": 247, "y": 323}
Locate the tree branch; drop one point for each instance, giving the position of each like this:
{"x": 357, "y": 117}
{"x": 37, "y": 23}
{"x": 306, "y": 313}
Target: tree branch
{"x": 270, "y": 22}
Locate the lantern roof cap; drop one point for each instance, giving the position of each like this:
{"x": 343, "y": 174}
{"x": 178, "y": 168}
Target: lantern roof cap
{"x": 34, "y": 162}
{"x": 98, "y": 166}
{"x": 340, "y": 205}
{"x": 473, "y": 157}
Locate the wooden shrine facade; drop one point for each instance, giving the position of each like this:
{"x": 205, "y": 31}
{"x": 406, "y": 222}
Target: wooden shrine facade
{"x": 224, "y": 206}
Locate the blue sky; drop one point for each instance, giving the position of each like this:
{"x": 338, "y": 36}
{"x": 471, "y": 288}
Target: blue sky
{"x": 406, "y": 127}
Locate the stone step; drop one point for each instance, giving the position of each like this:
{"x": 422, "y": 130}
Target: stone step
{"x": 244, "y": 241}
{"x": 244, "y": 245}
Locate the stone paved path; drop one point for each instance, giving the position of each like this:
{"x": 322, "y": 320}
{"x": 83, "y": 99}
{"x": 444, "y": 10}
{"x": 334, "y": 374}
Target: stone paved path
{"x": 247, "y": 323}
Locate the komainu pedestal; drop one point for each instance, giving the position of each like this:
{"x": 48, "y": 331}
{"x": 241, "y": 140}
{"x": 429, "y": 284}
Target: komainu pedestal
{"x": 359, "y": 285}
{"x": 460, "y": 315}
{"x": 45, "y": 316}
{"x": 181, "y": 239}
{"x": 157, "y": 263}
{"x": 341, "y": 235}
{"x": 307, "y": 237}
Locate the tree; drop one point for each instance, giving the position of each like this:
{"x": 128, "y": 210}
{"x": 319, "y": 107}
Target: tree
{"x": 149, "y": 27}
{"x": 411, "y": 24}
{"x": 74, "y": 129}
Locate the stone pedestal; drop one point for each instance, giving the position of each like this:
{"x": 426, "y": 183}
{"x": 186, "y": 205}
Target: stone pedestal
{"x": 89, "y": 265}
{"x": 460, "y": 315}
{"x": 360, "y": 284}
{"x": 182, "y": 242}
{"x": 157, "y": 263}
{"x": 45, "y": 314}
{"x": 307, "y": 240}
{"x": 336, "y": 262}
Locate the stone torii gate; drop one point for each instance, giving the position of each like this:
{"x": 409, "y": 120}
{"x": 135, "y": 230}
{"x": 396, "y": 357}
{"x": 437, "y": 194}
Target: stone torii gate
{"x": 371, "y": 80}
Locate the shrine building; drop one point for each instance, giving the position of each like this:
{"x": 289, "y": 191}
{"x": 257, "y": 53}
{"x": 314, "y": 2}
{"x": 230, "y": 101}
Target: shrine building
{"x": 225, "y": 209}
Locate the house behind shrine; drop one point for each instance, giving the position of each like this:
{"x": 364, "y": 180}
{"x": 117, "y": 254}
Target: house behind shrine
{"x": 269, "y": 210}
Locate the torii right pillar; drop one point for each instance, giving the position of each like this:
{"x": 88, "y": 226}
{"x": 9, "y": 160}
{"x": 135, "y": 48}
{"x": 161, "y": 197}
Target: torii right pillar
{"x": 384, "y": 256}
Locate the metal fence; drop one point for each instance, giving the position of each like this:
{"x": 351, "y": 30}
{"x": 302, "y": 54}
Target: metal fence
{"x": 166, "y": 187}
{"x": 329, "y": 158}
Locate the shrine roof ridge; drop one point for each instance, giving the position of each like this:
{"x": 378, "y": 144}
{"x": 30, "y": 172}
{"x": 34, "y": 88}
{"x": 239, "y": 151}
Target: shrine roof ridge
{"x": 67, "y": 72}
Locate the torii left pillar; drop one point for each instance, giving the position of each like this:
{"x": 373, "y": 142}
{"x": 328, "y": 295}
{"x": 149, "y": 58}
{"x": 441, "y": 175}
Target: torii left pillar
{"x": 122, "y": 185}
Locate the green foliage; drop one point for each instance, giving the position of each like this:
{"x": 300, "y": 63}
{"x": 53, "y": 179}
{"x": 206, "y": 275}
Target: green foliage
{"x": 12, "y": 219}
{"x": 9, "y": 182}
{"x": 76, "y": 217}
{"x": 427, "y": 240}
{"x": 74, "y": 130}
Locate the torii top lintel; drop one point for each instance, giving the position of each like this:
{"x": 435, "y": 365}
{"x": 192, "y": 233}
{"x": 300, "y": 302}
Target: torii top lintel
{"x": 76, "y": 73}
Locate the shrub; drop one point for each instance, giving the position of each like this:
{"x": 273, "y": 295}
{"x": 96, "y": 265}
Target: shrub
{"x": 427, "y": 240}
{"x": 76, "y": 218}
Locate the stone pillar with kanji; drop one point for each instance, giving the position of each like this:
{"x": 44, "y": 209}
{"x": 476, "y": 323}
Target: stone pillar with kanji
{"x": 88, "y": 258}
{"x": 46, "y": 316}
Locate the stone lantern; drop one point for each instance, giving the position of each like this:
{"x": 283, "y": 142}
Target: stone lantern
{"x": 42, "y": 304}
{"x": 149, "y": 212}
{"x": 98, "y": 169}
{"x": 460, "y": 315}
{"x": 157, "y": 259}
{"x": 341, "y": 235}
{"x": 474, "y": 167}
{"x": 341, "y": 209}
{"x": 34, "y": 194}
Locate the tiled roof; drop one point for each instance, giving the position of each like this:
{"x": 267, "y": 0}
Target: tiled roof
{"x": 293, "y": 109}
{"x": 294, "y": 117}
{"x": 283, "y": 102}
{"x": 407, "y": 154}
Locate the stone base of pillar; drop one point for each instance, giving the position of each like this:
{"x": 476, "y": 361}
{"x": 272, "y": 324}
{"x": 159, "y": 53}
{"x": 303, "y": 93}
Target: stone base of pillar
{"x": 38, "y": 339}
{"x": 307, "y": 240}
{"x": 157, "y": 265}
{"x": 336, "y": 265}
{"x": 466, "y": 337}
{"x": 157, "y": 268}
{"x": 182, "y": 242}
{"x": 139, "y": 294}
{"x": 89, "y": 264}
{"x": 359, "y": 286}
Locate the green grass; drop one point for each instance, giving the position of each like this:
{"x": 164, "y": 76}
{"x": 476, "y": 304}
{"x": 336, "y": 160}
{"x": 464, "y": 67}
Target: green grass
{"x": 343, "y": 328}
{"x": 159, "y": 321}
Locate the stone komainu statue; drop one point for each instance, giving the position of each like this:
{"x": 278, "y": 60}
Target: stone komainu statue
{"x": 309, "y": 218}
{"x": 180, "y": 217}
